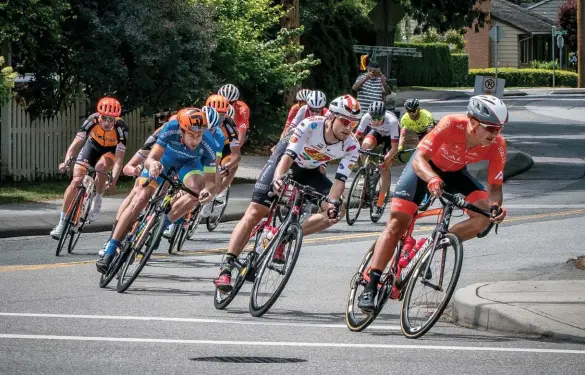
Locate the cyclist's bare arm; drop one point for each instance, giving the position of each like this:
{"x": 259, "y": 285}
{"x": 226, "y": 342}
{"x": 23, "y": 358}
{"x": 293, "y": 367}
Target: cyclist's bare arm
{"x": 75, "y": 146}
{"x": 242, "y": 135}
{"x": 133, "y": 167}
{"x": 403, "y": 132}
{"x": 421, "y": 166}
{"x": 337, "y": 189}
{"x": 155, "y": 155}
{"x": 210, "y": 183}
{"x": 495, "y": 194}
{"x": 236, "y": 156}
{"x": 283, "y": 166}
{"x": 119, "y": 164}
{"x": 392, "y": 152}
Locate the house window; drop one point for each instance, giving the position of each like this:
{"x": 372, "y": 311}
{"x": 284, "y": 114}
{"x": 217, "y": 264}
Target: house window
{"x": 534, "y": 48}
{"x": 525, "y": 49}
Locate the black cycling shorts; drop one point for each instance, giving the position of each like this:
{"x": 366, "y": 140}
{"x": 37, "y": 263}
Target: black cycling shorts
{"x": 381, "y": 140}
{"x": 92, "y": 152}
{"x": 311, "y": 177}
{"x": 412, "y": 188}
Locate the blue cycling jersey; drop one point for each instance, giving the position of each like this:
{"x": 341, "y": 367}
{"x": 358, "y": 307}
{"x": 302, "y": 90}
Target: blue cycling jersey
{"x": 220, "y": 139}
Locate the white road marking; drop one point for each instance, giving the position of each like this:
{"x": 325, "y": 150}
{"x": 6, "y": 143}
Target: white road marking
{"x": 551, "y": 206}
{"x": 293, "y": 344}
{"x": 194, "y": 320}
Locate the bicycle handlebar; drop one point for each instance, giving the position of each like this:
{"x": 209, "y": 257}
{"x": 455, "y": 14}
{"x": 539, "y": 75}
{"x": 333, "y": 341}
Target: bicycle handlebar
{"x": 403, "y": 152}
{"x": 459, "y": 201}
{"x": 90, "y": 170}
{"x": 369, "y": 153}
{"x": 308, "y": 190}
{"x": 173, "y": 183}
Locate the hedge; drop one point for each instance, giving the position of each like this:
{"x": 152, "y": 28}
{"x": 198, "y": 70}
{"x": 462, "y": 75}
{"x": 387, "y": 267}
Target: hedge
{"x": 527, "y": 77}
{"x": 434, "y": 68}
{"x": 460, "y": 62}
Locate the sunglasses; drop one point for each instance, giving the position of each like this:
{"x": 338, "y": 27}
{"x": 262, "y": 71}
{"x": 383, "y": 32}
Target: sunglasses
{"x": 494, "y": 129}
{"x": 380, "y": 118}
{"x": 412, "y": 111}
{"x": 108, "y": 119}
{"x": 345, "y": 121}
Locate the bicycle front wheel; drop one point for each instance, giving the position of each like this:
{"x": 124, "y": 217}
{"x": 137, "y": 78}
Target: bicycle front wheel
{"x": 356, "y": 196}
{"x": 67, "y": 229}
{"x": 214, "y": 219}
{"x": 431, "y": 286}
{"x": 355, "y": 319}
{"x": 276, "y": 268}
{"x": 82, "y": 220}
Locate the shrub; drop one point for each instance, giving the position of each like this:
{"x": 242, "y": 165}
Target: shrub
{"x": 434, "y": 68}
{"x": 460, "y": 64}
{"x": 527, "y": 77}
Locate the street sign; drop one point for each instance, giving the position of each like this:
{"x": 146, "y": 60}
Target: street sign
{"x": 489, "y": 86}
{"x": 560, "y": 41}
{"x": 496, "y": 33}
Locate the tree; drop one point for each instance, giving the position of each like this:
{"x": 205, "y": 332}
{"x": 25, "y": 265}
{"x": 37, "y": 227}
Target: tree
{"x": 7, "y": 77}
{"x": 443, "y": 15}
{"x": 567, "y": 18}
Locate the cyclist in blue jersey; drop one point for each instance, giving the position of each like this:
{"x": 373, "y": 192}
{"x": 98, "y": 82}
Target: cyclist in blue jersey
{"x": 186, "y": 145}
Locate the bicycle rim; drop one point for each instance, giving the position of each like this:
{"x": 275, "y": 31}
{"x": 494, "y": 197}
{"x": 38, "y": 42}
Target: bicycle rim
{"x": 355, "y": 199}
{"x": 138, "y": 259}
{"x": 222, "y": 300}
{"x": 355, "y": 319}
{"x": 67, "y": 229}
{"x": 419, "y": 312}
{"x": 213, "y": 222}
{"x": 272, "y": 277}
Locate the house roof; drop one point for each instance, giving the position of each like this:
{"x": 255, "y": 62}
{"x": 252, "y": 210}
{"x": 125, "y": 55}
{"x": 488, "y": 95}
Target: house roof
{"x": 520, "y": 18}
{"x": 537, "y": 4}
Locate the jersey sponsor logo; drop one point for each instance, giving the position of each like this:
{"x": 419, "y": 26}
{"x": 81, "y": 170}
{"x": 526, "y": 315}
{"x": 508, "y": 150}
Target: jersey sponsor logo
{"x": 310, "y": 154}
{"x": 294, "y": 139}
{"x": 500, "y": 176}
{"x": 351, "y": 148}
{"x": 314, "y": 125}
{"x": 350, "y": 166}
{"x": 320, "y": 146}
{"x": 341, "y": 166}
{"x": 502, "y": 153}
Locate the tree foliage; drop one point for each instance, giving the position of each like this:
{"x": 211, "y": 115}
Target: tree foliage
{"x": 7, "y": 77}
{"x": 452, "y": 37}
{"x": 443, "y": 15}
{"x": 567, "y": 18}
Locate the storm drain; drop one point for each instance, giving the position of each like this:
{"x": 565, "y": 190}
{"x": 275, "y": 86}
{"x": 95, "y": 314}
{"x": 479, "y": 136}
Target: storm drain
{"x": 249, "y": 359}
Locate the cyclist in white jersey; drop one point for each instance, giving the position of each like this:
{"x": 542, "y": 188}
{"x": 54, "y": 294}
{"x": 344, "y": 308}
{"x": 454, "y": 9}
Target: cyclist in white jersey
{"x": 314, "y": 142}
{"x": 384, "y": 130}
{"x": 316, "y": 101}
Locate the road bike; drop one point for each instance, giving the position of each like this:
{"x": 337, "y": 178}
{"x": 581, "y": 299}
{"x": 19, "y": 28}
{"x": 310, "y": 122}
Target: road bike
{"x": 416, "y": 266}
{"x": 276, "y": 250}
{"x": 78, "y": 210}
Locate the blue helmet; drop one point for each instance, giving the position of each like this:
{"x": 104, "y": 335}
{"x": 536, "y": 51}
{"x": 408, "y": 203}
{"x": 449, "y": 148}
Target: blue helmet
{"x": 213, "y": 119}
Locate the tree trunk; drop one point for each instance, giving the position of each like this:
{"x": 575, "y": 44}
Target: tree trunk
{"x": 581, "y": 42}
{"x": 291, "y": 20}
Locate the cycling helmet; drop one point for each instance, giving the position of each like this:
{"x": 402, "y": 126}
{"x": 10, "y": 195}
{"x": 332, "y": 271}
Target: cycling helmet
{"x": 316, "y": 100}
{"x": 230, "y": 91}
{"x": 213, "y": 120}
{"x": 109, "y": 107}
{"x": 231, "y": 111}
{"x": 220, "y": 103}
{"x": 302, "y": 95}
{"x": 346, "y": 106}
{"x": 487, "y": 109}
{"x": 377, "y": 109}
{"x": 411, "y": 104}
{"x": 192, "y": 120}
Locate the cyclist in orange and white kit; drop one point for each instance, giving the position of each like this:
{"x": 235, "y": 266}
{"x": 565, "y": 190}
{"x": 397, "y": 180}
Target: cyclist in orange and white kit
{"x": 440, "y": 163}
{"x": 384, "y": 131}
{"x": 103, "y": 137}
{"x": 315, "y": 141}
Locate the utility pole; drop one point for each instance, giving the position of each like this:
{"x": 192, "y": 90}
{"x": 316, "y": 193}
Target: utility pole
{"x": 581, "y": 42}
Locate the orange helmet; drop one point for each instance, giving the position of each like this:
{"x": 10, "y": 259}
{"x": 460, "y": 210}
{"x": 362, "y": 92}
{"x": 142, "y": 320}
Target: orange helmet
{"x": 220, "y": 103}
{"x": 109, "y": 107}
{"x": 192, "y": 120}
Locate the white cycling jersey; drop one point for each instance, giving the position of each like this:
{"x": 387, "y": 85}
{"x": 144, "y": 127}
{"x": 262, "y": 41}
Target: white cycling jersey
{"x": 388, "y": 128}
{"x": 304, "y": 113}
{"x": 308, "y": 147}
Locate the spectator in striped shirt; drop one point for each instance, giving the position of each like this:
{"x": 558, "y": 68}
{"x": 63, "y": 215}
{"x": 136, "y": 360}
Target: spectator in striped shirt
{"x": 371, "y": 86}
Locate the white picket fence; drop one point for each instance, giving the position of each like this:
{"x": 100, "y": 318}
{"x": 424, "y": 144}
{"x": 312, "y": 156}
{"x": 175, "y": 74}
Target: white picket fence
{"x": 37, "y": 147}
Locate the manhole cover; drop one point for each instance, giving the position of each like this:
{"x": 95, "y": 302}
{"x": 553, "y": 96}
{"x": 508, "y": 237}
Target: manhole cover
{"x": 249, "y": 359}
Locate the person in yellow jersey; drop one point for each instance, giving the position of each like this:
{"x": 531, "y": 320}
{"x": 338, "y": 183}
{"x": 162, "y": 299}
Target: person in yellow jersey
{"x": 416, "y": 120}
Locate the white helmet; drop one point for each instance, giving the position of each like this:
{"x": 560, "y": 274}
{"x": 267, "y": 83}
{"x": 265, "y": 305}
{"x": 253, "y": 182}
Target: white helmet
{"x": 487, "y": 109}
{"x": 302, "y": 95}
{"x": 230, "y": 91}
{"x": 316, "y": 100}
{"x": 231, "y": 111}
{"x": 346, "y": 106}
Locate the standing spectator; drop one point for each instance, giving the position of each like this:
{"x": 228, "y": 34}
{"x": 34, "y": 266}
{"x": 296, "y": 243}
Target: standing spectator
{"x": 371, "y": 86}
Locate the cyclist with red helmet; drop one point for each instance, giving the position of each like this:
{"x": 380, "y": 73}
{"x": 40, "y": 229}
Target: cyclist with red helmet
{"x": 241, "y": 111}
{"x": 102, "y": 140}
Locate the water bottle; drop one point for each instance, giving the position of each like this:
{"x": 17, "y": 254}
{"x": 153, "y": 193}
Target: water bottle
{"x": 417, "y": 247}
{"x": 263, "y": 241}
{"x": 407, "y": 246}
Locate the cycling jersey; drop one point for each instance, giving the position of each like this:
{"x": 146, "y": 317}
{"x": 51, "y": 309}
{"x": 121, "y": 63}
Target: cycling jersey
{"x": 446, "y": 145}
{"x": 230, "y": 132}
{"x": 425, "y": 121}
{"x": 101, "y": 142}
{"x": 241, "y": 115}
{"x": 388, "y": 128}
{"x": 307, "y": 146}
{"x": 220, "y": 139}
{"x": 151, "y": 140}
{"x": 304, "y": 113}
{"x": 291, "y": 114}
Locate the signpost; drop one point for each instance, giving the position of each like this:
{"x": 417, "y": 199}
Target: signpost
{"x": 557, "y": 34}
{"x": 485, "y": 85}
{"x": 496, "y": 34}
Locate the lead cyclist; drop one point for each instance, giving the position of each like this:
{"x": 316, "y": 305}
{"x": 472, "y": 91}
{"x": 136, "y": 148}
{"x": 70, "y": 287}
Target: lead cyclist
{"x": 415, "y": 119}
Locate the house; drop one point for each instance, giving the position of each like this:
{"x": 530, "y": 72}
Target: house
{"x": 546, "y": 8}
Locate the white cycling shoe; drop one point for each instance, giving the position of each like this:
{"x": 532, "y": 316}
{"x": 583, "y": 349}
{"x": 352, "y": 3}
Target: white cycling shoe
{"x": 169, "y": 231}
{"x": 58, "y": 230}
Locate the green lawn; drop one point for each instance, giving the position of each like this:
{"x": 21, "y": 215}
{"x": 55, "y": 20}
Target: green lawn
{"x": 39, "y": 191}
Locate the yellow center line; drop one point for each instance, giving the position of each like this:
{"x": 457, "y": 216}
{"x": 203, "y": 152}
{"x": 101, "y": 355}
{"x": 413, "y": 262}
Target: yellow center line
{"x": 221, "y": 250}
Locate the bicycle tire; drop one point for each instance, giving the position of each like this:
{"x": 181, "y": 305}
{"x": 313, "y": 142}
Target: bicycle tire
{"x": 416, "y": 332}
{"x": 221, "y": 304}
{"x": 158, "y": 228}
{"x": 82, "y": 220}
{"x": 212, "y": 224}
{"x": 357, "y": 325}
{"x": 182, "y": 237}
{"x": 117, "y": 263}
{"x": 360, "y": 174}
{"x": 67, "y": 229}
{"x": 174, "y": 237}
{"x": 255, "y": 308}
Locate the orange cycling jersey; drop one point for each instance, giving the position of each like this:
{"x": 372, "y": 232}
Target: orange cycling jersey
{"x": 446, "y": 145}
{"x": 241, "y": 115}
{"x": 291, "y": 114}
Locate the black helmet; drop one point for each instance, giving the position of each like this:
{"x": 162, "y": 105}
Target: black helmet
{"x": 377, "y": 109}
{"x": 411, "y": 104}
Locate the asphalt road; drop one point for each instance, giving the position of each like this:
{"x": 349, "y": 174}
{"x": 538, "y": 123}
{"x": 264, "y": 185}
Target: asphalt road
{"x": 54, "y": 319}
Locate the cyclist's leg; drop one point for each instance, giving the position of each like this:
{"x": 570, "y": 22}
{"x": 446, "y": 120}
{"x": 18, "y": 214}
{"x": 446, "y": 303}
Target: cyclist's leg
{"x": 104, "y": 165}
{"x": 318, "y": 181}
{"x": 462, "y": 182}
{"x": 384, "y": 175}
{"x": 191, "y": 175}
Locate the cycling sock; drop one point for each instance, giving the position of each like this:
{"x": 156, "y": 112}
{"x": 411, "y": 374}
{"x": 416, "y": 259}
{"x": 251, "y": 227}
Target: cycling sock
{"x": 179, "y": 220}
{"x": 374, "y": 279}
{"x": 381, "y": 198}
{"x": 225, "y": 265}
{"x": 112, "y": 246}
{"x": 63, "y": 214}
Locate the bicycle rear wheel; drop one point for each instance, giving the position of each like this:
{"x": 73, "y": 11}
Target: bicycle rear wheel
{"x": 67, "y": 229}
{"x": 213, "y": 220}
{"x": 355, "y": 319}
{"x": 373, "y": 206}
{"x": 137, "y": 259}
{"x": 356, "y": 196}
{"x": 280, "y": 269}
{"x": 82, "y": 220}
{"x": 419, "y": 314}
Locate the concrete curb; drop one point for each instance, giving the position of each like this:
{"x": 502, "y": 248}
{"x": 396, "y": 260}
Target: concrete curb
{"x": 470, "y": 310}
{"x": 520, "y": 163}
{"x": 568, "y": 92}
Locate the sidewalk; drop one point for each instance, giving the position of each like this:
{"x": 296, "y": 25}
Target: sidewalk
{"x": 31, "y": 219}
{"x": 554, "y": 309}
